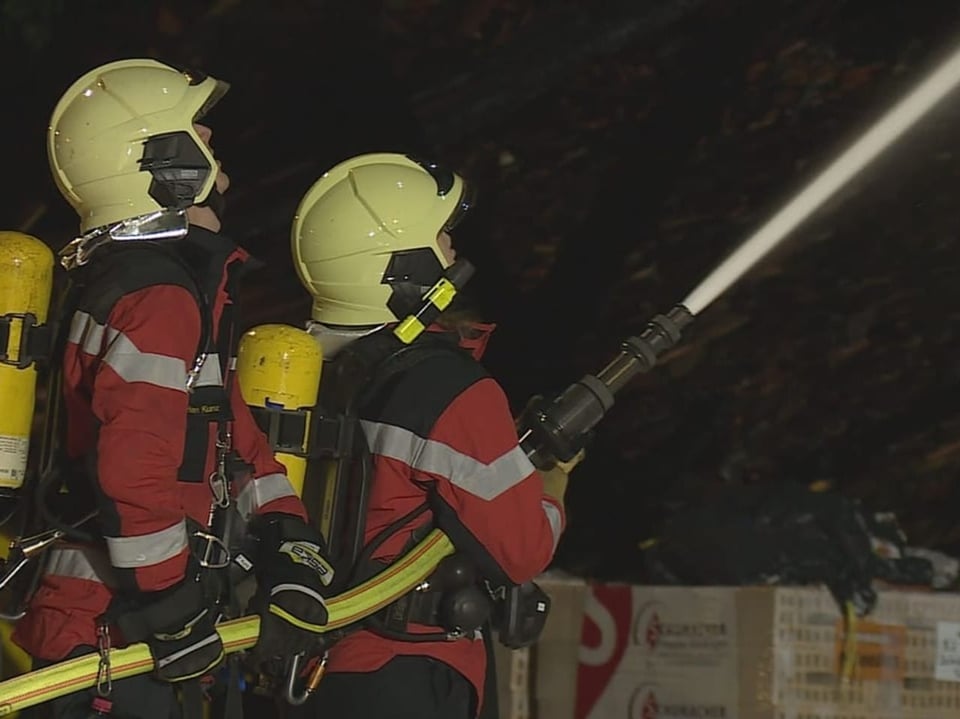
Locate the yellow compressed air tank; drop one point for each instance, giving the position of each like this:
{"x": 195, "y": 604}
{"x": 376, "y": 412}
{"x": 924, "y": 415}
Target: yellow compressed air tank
{"x": 278, "y": 370}
{"x": 26, "y": 281}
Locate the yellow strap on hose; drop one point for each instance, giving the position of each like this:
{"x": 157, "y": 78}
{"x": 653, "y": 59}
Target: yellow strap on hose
{"x": 363, "y": 600}
{"x": 850, "y": 660}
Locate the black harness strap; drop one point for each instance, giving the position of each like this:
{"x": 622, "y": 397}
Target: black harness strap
{"x": 210, "y": 403}
{"x": 225, "y": 519}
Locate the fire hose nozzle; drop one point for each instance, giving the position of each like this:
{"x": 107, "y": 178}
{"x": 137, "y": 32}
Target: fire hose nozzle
{"x": 556, "y": 430}
{"x": 640, "y": 353}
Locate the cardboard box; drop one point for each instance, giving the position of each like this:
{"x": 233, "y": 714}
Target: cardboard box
{"x": 765, "y": 653}
{"x": 790, "y": 656}
{"x": 658, "y": 653}
{"x": 625, "y": 652}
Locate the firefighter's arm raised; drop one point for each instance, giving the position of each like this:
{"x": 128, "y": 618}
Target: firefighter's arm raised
{"x": 143, "y": 352}
{"x": 490, "y": 499}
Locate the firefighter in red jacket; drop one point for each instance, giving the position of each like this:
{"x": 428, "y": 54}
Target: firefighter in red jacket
{"x": 157, "y": 436}
{"x": 369, "y": 238}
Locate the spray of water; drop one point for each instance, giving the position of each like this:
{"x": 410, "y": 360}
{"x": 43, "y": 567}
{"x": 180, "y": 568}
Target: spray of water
{"x": 861, "y": 153}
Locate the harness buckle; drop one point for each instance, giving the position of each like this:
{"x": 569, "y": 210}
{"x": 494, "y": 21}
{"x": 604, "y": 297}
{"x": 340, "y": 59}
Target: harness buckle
{"x": 194, "y": 372}
{"x": 212, "y": 543}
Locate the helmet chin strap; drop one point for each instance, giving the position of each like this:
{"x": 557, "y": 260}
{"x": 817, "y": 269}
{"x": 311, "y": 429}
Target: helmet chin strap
{"x": 216, "y": 202}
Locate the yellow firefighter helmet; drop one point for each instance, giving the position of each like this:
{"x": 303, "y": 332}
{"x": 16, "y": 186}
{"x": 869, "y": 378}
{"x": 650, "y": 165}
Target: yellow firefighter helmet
{"x": 122, "y": 145}
{"x": 364, "y": 238}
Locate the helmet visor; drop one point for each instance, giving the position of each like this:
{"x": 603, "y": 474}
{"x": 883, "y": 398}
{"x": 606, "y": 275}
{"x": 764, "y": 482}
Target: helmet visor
{"x": 215, "y": 89}
{"x": 467, "y": 200}
{"x": 216, "y": 94}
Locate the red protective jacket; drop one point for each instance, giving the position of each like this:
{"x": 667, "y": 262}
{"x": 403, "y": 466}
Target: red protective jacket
{"x": 444, "y": 434}
{"x": 124, "y": 377}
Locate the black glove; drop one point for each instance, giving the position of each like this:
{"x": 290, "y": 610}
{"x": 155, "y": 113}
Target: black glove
{"x": 179, "y": 627}
{"x": 292, "y": 578}
{"x": 190, "y": 650}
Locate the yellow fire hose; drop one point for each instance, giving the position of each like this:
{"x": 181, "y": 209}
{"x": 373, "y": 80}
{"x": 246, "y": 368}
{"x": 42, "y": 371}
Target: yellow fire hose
{"x": 345, "y": 609}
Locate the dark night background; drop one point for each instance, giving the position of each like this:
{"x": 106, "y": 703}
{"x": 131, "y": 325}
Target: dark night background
{"x": 621, "y": 149}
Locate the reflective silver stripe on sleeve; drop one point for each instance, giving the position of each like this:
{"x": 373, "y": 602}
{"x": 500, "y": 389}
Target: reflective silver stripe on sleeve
{"x": 79, "y": 563}
{"x": 486, "y": 481}
{"x": 127, "y": 360}
{"x": 135, "y": 366}
{"x": 86, "y": 333}
{"x": 556, "y": 521}
{"x": 145, "y": 550}
{"x": 255, "y": 493}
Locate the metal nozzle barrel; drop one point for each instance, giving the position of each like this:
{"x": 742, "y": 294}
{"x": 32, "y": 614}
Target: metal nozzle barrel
{"x": 555, "y": 430}
{"x": 640, "y": 354}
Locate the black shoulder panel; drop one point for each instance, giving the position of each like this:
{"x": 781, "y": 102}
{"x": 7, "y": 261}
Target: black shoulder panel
{"x": 416, "y": 397}
{"x": 123, "y": 269}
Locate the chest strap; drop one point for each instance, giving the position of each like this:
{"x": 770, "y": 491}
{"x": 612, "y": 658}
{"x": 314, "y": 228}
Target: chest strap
{"x": 209, "y": 410}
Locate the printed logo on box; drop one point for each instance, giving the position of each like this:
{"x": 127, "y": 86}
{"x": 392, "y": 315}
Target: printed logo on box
{"x": 657, "y": 654}
{"x": 645, "y": 704}
{"x": 655, "y": 628}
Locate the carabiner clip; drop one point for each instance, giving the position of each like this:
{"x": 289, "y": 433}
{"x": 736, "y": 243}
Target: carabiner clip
{"x": 290, "y": 693}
